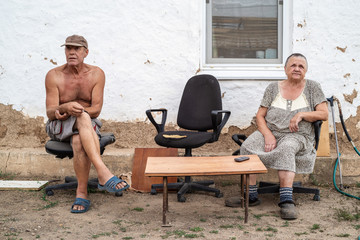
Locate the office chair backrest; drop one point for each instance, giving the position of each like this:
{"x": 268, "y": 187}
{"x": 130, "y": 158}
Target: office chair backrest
{"x": 201, "y": 95}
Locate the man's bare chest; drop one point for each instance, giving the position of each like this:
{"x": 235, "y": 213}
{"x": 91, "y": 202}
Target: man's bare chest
{"x": 75, "y": 89}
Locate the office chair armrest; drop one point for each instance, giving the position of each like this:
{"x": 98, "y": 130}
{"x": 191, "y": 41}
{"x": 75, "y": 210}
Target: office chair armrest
{"x": 239, "y": 138}
{"x": 317, "y": 129}
{"x": 215, "y": 115}
{"x": 159, "y": 127}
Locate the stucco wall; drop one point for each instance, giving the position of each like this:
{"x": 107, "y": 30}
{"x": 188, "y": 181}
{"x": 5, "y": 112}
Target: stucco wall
{"x": 150, "y": 48}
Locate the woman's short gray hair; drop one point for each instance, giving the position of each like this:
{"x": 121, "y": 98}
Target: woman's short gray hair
{"x": 296, "y": 55}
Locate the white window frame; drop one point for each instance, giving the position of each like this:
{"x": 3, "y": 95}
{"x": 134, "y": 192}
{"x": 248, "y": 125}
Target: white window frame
{"x": 259, "y": 71}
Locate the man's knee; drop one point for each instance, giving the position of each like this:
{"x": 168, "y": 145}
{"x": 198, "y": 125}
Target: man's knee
{"x": 83, "y": 120}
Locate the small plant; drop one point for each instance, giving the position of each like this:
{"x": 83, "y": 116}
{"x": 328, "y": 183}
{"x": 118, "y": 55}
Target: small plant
{"x": 299, "y": 234}
{"x": 6, "y": 176}
{"x": 196, "y": 229}
{"x": 357, "y": 227}
{"x": 271, "y": 229}
{"x": 127, "y": 238}
{"x": 259, "y": 216}
{"x": 214, "y": 231}
{"x": 315, "y": 227}
{"x": 343, "y": 235}
{"x": 286, "y": 224}
{"x": 138, "y": 209}
{"x": 202, "y": 220}
{"x": 226, "y": 226}
{"x": 191, "y": 235}
{"x": 345, "y": 215}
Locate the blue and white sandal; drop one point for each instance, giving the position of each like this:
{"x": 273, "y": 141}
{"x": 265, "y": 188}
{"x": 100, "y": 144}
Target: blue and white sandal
{"x": 111, "y": 184}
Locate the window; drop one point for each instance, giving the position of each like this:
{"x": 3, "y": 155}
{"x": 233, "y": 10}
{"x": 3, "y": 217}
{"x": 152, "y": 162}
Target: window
{"x": 245, "y": 34}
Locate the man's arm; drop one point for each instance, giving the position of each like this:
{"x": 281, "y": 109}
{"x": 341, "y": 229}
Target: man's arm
{"x": 52, "y": 95}
{"x": 97, "y": 94}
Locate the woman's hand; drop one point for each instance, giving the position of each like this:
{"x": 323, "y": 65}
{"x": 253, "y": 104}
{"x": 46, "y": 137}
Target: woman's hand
{"x": 294, "y": 122}
{"x": 270, "y": 142}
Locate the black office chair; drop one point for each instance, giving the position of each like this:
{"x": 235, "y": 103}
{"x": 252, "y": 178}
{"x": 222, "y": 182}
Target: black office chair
{"x": 200, "y": 110}
{"x": 63, "y": 150}
{"x": 267, "y": 187}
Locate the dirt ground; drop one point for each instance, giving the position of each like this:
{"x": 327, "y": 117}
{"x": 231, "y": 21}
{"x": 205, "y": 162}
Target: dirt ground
{"x": 33, "y": 215}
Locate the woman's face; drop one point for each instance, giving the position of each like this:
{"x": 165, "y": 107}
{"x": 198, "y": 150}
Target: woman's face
{"x": 296, "y": 68}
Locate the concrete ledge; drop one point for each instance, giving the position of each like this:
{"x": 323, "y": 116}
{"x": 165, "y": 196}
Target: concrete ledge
{"x": 35, "y": 162}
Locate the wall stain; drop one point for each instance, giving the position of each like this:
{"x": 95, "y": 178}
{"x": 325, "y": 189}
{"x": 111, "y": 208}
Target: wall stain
{"x": 350, "y": 97}
{"x": 53, "y": 62}
{"x": 341, "y": 49}
{"x": 347, "y": 75}
{"x": 147, "y": 61}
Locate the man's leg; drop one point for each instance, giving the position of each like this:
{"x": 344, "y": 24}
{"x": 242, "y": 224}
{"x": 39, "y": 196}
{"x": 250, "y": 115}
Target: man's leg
{"x": 82, "y": 166}
{"x": 90, "y": 143}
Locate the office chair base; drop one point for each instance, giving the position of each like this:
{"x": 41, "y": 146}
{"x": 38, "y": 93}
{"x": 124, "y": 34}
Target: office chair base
{"x": 188, "y": 187}
{"x": 266, "y": 187}
{"x": 71, "y": 183}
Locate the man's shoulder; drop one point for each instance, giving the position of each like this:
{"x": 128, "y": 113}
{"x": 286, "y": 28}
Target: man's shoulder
{"x": 94, "y": 68}
{"x": 56, "y": 71}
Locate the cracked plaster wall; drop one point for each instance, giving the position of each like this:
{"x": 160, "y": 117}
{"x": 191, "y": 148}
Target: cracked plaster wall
{"x": 148, "y": 50}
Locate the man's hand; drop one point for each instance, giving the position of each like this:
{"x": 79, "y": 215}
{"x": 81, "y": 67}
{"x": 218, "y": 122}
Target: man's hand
{"x": 73, "y": 109}
{"x": 60, "y": 116}
{"x": 294, "y": 122}
{"x": 270, "y": 142}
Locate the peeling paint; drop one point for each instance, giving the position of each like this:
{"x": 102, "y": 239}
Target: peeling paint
{"x": 347, "y": 75}
{"x": 350, "y": 97}
{"x": 341, "y": 49}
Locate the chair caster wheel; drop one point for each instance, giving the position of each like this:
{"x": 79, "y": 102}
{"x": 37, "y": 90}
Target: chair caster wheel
{"x": 49, "y": 193}
{"x": 119, "y": 194}
{"x": 153, "y": 192}
{"x": 316, "y": 198}
{"x": 219, "y": 195}
{"x": 181, "y": 199}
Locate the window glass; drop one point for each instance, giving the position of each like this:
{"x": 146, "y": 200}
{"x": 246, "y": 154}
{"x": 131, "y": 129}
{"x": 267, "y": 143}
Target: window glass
{"x": 244, "y": 31}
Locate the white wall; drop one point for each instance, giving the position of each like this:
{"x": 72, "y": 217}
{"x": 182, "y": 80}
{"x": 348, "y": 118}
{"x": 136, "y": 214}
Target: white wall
{"x": 150, "y": 48}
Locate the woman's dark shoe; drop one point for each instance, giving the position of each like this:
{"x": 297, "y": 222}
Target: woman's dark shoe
{"x": 288, "y": 210}
{"x": 235, "y": 202}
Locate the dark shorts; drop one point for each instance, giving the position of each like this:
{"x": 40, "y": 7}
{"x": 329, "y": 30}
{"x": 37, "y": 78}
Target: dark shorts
{"x": 63, "y": 130}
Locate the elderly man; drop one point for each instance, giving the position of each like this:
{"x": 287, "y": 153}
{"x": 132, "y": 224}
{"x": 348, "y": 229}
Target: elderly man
{"x": 74, "y": 98}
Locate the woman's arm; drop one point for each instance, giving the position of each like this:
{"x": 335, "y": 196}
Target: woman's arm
{"x": 320, "y": 113}
{"x": 270, "y": 140}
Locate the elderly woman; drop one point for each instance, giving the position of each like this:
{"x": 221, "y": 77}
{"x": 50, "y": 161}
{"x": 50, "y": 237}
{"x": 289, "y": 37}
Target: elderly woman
{"x": 285, "y": 136}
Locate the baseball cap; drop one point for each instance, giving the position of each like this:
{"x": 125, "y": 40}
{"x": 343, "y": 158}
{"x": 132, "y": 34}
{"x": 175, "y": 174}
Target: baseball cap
{"x": 76, "y": 40}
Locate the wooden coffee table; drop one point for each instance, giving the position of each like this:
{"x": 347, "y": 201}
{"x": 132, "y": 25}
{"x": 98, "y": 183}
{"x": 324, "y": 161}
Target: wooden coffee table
{"x": 203, "y": 166}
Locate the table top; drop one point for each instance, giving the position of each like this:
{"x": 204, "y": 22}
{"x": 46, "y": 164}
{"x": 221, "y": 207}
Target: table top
{"x": 202, "y": 166}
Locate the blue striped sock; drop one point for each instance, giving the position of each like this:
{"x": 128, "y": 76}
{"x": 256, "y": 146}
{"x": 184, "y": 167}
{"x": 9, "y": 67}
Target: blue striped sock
{"x": 286, "y": 194}
{"x": 253, "y": 194}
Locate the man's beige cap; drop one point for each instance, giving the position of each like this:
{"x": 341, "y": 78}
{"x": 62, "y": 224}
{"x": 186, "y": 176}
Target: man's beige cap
{"x": 76, "y": 40}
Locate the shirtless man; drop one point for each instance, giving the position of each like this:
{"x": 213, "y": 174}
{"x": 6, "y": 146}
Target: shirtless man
{"x": 74, "y": 98}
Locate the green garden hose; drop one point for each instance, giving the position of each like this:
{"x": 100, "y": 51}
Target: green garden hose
{"x": 331, "y": 100}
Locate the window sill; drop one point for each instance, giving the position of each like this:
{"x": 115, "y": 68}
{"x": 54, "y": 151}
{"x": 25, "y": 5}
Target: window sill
{"x": 274, "y": 72}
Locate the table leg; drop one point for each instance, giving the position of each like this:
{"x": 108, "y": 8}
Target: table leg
{"x": 165, "y": 201}
{"x": 247, "y": 199}
{"x": 242, "y": 190}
